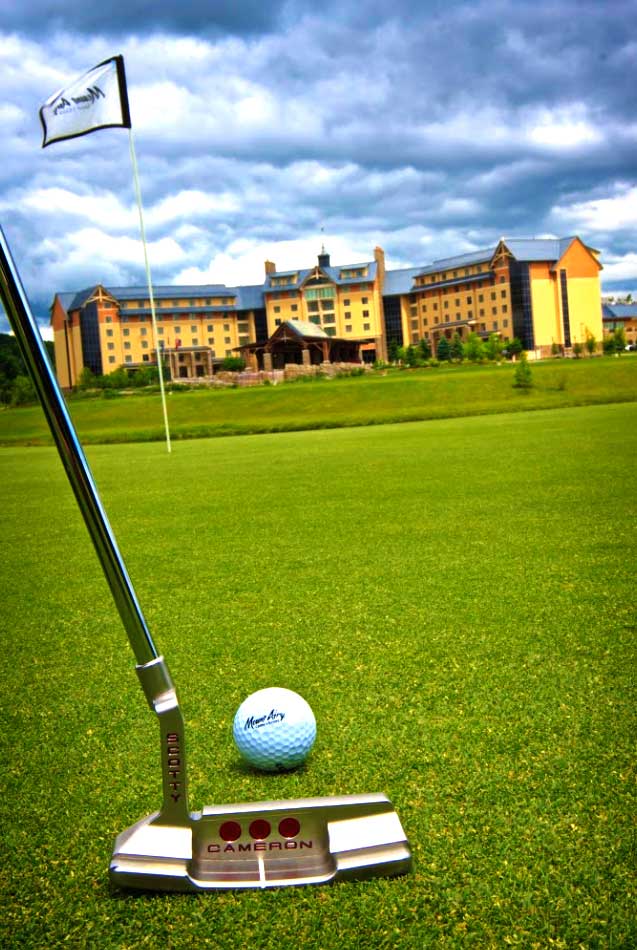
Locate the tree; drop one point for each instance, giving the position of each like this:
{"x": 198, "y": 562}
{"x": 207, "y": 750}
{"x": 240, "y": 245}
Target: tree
{"x": 456, "y": 350}
{"x": 578, "y": 349}
{"x": 620, "y": 339}
{"x": 22, "y": 391}
{"x": 493, "y": 347}
{"x": 515, "y": 347}
{"x": 392, "y": 351}
{"x": 522, "y": 378}
{"x": 443, "y": 350}
{"x": 424, "y": 348}
{"x": 411, "y": 356}
{"x": 87, "y": 379}
{"x": 474, "y": 348}
{"x": 591, "y": 344}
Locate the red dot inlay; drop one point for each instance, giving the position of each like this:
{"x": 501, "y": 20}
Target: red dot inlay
{"x": 260, "y": 829}
{"x": 230, "y": 831}
{"x": 289, "y": 828}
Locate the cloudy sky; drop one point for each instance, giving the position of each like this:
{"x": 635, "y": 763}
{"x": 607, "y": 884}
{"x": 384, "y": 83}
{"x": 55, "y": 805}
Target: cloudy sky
{"x": 430, "y": 127}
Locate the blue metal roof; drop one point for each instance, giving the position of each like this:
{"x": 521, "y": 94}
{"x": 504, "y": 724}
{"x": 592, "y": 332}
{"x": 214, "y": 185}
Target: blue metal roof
{"x": 621, "y": 311}
{"x": 332, "y": 273}
{"x": 400, "y": 281}
{"x": 461, "y": 260}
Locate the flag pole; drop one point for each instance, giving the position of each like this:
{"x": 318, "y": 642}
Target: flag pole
{"x": 151, "y": 296}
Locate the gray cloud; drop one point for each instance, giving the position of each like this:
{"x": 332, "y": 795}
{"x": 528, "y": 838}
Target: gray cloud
{"x": 430, "y": 128}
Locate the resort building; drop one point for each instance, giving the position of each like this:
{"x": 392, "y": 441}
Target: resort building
{"x": 617, "y": 316}
{"x": 546, "y": 292}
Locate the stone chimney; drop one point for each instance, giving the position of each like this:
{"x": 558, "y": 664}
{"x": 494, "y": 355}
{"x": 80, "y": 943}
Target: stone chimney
{"x": 270, "y": 268}
{"x": 379, "y": 257}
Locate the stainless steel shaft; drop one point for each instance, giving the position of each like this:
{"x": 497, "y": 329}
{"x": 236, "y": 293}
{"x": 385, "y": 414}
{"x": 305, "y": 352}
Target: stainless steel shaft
{"x": 77, "y": 469}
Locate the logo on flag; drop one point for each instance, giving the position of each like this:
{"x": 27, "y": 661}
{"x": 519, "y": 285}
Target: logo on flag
{"x": 97, "y": 100}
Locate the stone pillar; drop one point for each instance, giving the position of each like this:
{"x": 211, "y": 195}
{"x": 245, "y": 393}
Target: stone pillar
{"x": 267, "y": 361}
{"x": 306, "y": 356}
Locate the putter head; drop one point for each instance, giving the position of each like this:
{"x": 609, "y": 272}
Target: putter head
{"x": 264, "y": 844}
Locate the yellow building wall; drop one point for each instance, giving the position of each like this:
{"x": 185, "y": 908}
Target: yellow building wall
{"x": 547, "y": 320}
{"x": 585, "y": 309}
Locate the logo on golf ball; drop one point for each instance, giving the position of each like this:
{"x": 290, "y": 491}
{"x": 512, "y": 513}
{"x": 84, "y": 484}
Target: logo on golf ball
{"x": 274, "y": 729}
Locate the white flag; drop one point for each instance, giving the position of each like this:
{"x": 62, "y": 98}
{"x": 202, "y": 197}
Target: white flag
{"x": 97, "y": 100}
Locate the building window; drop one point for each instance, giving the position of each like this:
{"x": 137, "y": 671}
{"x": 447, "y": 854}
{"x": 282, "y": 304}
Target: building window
{"x": 348, "y": 315}
{"x": 469, "y": 314}
{"x": 505, "y": 324}
{"x": 144, "y": 344}
{"x": 111, "y": 359}
{"x": 493, "y": 295}
{"x": 502, "y": 280}
{"x": 366, "y": 326}
{"x": 128, "y": 359}
{"x": 435, "y": 305}
{"x": 457, "y": 301}
{"x": 160, "y": 331}
{"x": 143, "y": 331}
{"x": 504, "y": 308}
{"x": 364, "y": 299}
{"x": 126, "y": 332}
{"x": 469, "y": 300}
{"x": 481, "y": 312}
{"x": 109, "y": 333}
{"x": 480, "y": 298}
{"x": 503, "y": 293}
{"x": 210, "y": 340}
{"x": 195, "y": 342}
{"x": 495, "y": 324}
{"x": 210, "y": 328}
{"x": 146, "y": 357}
{"x": 445, "y": 304}
{"x": 277, "y": 322}
{"x": 414, "y": 324}
{"x": 109, "y": 319}
{"x": 277, "y": 309}
{"x": 111, "y": 346}
{"x": 365, "y": 313}
{"x": 227, "y": 340}
{"x": 193, "y": 329}
{"x": 226, "y": 327}
{"x": 294, "y": 307}
{"x": 348, "y": 328}
{"x": 127, "y": 346}
{"x": 494, "y": 310}
{"x": 177, "y": 329}
{"x": 346, "y": 303}
{"x": 312, "y": 306}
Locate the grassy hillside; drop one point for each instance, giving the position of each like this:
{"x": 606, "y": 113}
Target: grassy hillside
{"x": 400, "y": 396}
{"x": 455, "y": 600}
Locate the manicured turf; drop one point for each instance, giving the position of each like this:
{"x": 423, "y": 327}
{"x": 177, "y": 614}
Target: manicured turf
{"x": 454, "y": 598}
{"x": 400, "y": 396}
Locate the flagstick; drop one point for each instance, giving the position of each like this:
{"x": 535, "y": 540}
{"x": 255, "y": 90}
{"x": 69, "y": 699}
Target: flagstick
{"x": 138, "y": 192}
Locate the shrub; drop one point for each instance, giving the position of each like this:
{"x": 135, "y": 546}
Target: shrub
{"x": 578, "y": 349}
{"x": 591, "y": 344}
{"x": 424, "y": 349}
{"x": 474, "y": 348}
{"x": 443, "y": 350}
{"x": 522, "y": 378}
{"x": 233, "y": 364}
{"x": 456, "y": 350}
{"x": 22, "y": 391}
{"x": 493, "y": 347}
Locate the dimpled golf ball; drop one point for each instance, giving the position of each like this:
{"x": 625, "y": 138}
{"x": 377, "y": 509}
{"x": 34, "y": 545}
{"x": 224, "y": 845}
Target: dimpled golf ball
{"x": 274, "y": 729}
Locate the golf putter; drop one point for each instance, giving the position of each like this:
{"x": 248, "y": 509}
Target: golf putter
{"x": 251, "y": 845}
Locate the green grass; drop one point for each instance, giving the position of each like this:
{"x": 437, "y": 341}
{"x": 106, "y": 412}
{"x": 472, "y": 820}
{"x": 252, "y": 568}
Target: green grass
{"x": 454, "y": 598}
{"x": 401, "y": 396}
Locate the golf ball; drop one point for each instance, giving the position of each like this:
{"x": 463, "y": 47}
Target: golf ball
{"x": 274, "y": 729}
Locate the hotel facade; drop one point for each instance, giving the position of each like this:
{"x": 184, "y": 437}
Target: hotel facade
{"x": 546, "y": 292}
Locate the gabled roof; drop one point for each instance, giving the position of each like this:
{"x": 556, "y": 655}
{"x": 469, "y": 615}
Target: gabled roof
{"x": 303, "y": 328}
{"x": 333, "y": 274}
